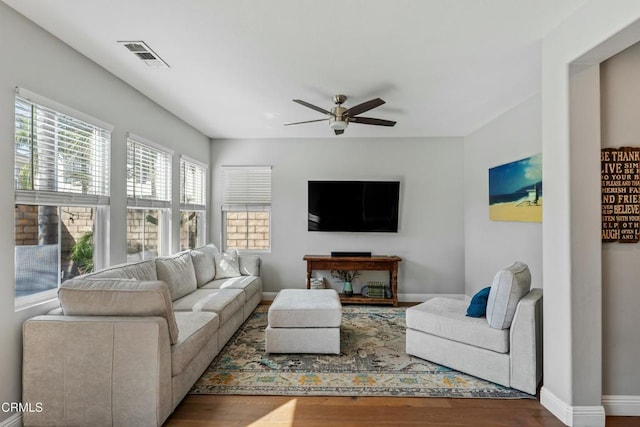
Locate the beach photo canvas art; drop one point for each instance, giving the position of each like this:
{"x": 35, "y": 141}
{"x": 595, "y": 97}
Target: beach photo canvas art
{"x": 515, "y": 191}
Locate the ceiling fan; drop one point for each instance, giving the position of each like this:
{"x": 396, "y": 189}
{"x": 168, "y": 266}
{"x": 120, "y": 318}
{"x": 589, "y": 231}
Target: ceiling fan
{"x": 340, "y": 117}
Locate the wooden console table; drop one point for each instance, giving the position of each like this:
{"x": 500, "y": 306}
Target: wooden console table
{"x": 384, "y": 263}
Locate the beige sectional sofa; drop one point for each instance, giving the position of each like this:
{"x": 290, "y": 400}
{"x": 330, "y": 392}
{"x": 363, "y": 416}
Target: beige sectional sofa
{"x": 129, "y": 341}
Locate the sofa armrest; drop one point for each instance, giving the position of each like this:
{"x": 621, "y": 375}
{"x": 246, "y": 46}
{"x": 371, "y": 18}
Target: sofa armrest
{"x": 97, "y": 370}
{"x": 526, "y": 343}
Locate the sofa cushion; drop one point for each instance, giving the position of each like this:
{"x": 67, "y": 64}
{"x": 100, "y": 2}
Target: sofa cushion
{"x": 249, "y": 284}
{"x": 141, "y": 270}
{"x": 478, "y": 305}
{"x": 509, "y": 286}
{"x": 249, "y": 265}
{"x": 227, "y": 265}
{"x": 204, "y": 263}
{"x": 196, "y": 329}
{"x": 224, "y": 302}
{"x": 446, "y": 318}
{"x": 177, "y": 270}
{"x": 115, "y": 297}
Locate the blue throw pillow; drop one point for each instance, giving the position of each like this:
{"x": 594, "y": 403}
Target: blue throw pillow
{"x": 478, "y": 305}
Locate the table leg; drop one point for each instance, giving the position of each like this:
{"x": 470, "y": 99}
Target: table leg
{"x": 309, "y": 270}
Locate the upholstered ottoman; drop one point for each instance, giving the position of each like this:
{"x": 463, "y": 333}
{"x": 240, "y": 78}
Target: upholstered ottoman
{"x": 304, "y": 321}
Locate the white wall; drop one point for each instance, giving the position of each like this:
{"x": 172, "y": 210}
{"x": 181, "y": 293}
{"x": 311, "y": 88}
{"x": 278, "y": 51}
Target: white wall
{"x": 431, "y": 230}
{"x": 33, "y": 59}
{"x": 491, "y": 245}
{"x": 620, "y": 100}
{"x": 571, "y": 222}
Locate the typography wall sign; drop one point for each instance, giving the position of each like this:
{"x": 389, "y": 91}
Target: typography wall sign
{"x": 620, "y": 175}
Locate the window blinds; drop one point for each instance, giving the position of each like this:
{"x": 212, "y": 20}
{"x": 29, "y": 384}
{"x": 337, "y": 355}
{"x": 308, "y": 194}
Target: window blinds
{"x": 247, "y": 187}
{"x": 193, "y": 182}
{"x": 148, "y": 174}
{"x": 58, "y": 157}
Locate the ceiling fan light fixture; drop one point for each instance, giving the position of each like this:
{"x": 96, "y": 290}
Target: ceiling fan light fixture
{"x": 338, "y": 124}
{"x": 339, "y": 116}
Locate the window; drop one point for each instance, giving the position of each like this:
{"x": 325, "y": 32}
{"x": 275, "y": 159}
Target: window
{"x": 61, "y": 180}
{"x": 246, "y": 207}
{"x": 144, "y": 233}
{"x": 148, "y": 199}
{"x": 193, "y": 183}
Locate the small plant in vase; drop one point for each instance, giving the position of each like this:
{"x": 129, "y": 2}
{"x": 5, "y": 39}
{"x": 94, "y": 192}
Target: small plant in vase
{"x": 347, "y": 276}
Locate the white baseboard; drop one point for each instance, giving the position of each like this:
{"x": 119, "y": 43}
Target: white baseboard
{"x": 622, "y": 406}
{"x": 269, "y": 296}
{"x": 13, "y": 421}
{"x": 573, "y": 416}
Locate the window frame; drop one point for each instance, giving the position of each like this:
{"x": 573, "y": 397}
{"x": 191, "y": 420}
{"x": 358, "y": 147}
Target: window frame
{"x": 199, "y": 208}
{"x": 163, "y": 203}
{"x": 98, "y": 200}
{"x": 244, "y": 198}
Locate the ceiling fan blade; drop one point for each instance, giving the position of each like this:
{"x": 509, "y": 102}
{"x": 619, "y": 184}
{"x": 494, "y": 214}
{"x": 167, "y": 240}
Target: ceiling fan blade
{"x": 338, "y": 131}
{"x": 313, "y": 107}
{"x": 365, "y": 106}
{"x": 308, "y": 121}
{"x": 372, "y": 121}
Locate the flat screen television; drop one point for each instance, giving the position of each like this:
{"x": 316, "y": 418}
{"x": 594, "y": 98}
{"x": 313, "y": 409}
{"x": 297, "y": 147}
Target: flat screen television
{"x": 358, "y": 206}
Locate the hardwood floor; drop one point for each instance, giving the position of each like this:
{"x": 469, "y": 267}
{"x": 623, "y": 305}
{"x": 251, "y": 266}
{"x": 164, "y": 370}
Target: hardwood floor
{"x": 290, "y": 411}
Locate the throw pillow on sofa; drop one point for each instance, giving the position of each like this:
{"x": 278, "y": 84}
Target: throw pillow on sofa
{"x": 249, "y": 265}
{"x": 478, "y": 305}
{"x": 227, "y": 265}
{"x": 509, "y": 286}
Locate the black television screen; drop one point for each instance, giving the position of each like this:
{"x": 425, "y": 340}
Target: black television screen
{"x": 370, "y": 206}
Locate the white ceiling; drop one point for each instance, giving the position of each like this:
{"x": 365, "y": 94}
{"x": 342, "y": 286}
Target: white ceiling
{"x": 444, "y": 67}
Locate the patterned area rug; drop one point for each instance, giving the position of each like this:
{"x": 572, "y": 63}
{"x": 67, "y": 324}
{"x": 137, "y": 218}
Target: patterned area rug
{"x": 372, "y": 362}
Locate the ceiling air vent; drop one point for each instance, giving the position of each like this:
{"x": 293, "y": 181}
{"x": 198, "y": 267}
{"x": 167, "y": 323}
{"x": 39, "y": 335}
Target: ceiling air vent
{"x": 145, "y": 54}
